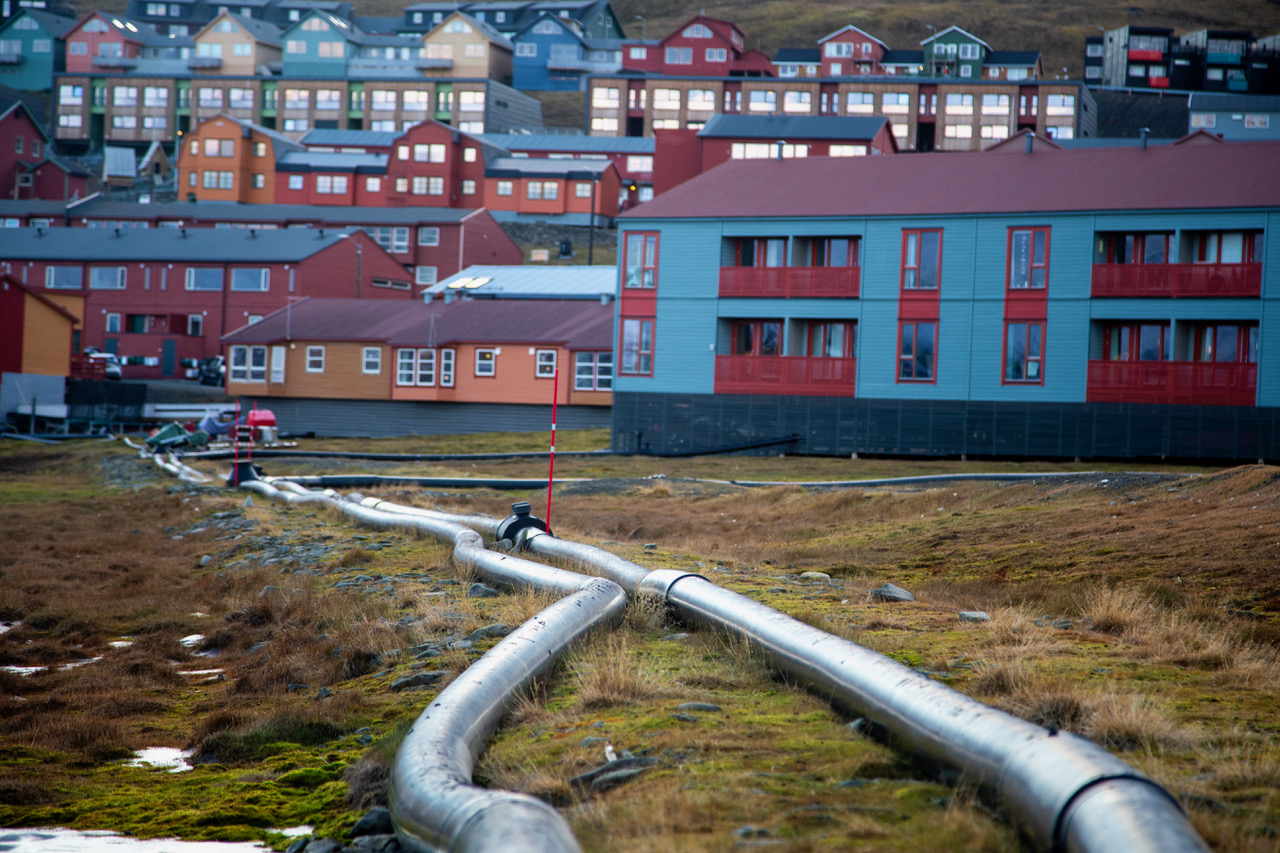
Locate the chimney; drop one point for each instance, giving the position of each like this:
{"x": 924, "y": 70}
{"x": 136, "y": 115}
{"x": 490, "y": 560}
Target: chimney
{"x": 1142, "y": 137}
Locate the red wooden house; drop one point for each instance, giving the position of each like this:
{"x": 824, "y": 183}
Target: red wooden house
{"x": 703, "y": 46}
{"x": 28, "y": 167}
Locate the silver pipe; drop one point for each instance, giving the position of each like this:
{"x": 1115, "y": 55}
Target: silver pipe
{"x": 433, "y": 804}
{"x": 485, "y": 524}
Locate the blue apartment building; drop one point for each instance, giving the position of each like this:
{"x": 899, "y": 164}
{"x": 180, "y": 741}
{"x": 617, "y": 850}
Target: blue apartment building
{"x": 1024, "y": 301}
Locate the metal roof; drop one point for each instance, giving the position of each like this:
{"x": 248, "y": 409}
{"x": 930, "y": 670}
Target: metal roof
{"x": 1226, "y": 175}
{"x": 1012, "y": 57}
{"x": 263, "y": 31}
{"x": 189, "y": 245}
{"x": 316, "y": 161}
{"x": 521, "y": 167}
{"x": 1231, "y": 103}
{"x": 531, "y": 282}
{"x": 352, "y": 138}
{"x": 569, "y": 143}
{"x": 902, "y": 57}
{"x": 118, "y": 162}
{"x": 793, "y": 127}
{"x": 55, "y": 25}
{"x": 211, "y": 211}
{"x": 576, "y": 324}
{"x": 809, "y": 55}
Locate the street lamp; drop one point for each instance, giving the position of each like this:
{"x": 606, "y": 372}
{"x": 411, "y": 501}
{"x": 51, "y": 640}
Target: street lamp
{"x": 641, "y": 19}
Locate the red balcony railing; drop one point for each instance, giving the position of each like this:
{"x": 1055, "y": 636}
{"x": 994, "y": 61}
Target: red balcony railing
{"x": 1175, "y": 280}
{"x": 1183, "y": 383}
{"x": 790, "y": 282}
{"x": 1146, "y": 55}
{"x": 793, "y": 375}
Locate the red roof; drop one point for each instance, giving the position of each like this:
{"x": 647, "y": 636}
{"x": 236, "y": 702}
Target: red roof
{"x": 1233, "y": 175}
{"x": 572, "y": 323}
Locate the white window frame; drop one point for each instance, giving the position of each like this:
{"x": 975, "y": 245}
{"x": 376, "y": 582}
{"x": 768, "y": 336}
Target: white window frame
{"x": 120, "y": 276}
{"x": 544, "y": 361}
{"x": 448, "y": 360}
{"x": 113, "y": 323}
{"x": 190, "y": 275}
{"x": 486, "y": 362}
{"x": 247, "y": 364}
{"x": 315, "y": 359}
{"x": 51, "y": 276}
{"x": 428, "y": 236}
{"x": 262, "y": 285}
{"x": 195, "y": 325}
{"x": 371, "y": 361}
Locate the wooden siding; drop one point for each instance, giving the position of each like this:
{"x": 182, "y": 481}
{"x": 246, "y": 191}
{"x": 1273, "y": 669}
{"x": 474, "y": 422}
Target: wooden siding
{"x": 46, "y": 339}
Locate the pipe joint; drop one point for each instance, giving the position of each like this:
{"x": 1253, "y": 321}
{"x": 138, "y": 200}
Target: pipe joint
{"x": 656, "y": 585}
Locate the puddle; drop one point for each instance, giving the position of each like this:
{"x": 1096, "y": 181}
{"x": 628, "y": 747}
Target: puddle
{"x": 24, "y": 670}
{"x": 76, "y": 663}
{"x": 191, "y": 640}
{"x": 120, "y": 644}
{"x": 71, "y": 841}
{"x": 201, "y": 672}
{"x": 175, "y": 760}
{"x": 295, "y": 831}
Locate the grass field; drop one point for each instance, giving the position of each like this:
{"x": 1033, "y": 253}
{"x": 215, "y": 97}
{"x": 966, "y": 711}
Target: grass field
{"x": 1140, "y": 611}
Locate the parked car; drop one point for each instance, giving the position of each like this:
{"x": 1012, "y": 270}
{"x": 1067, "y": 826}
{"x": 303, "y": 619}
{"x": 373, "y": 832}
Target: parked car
{"x": 110, "y": 362}
{"x": 213, "y": 370}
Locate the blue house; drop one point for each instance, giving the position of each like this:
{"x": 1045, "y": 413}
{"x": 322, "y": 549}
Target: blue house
{"x": 1025, "y": 301}
{"x": 553, "y": 54}
{"x": 32, "y": 49}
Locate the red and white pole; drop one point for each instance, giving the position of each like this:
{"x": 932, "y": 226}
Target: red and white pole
{"x": 555, "y": 394}
{"x": 235, "y": 446}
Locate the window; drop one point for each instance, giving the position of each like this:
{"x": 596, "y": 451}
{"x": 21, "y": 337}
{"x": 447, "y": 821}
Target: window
{"x": 474, "y": 50}
{"x": 895, "y": 103}
{"x": 756, "y": 337}
{"x": 1060, "y": 105}
{"x": 1023, "y": 348}
{"x": 762, "y": 252}
{"x": 124, "y": 122}
{"x": 470, "y": 102}
{"x": 545, "y": 363}
{"x": 428, "y": 236}
{"x": 762, "y": 101}
{"x": 593, "y": 371}
{"x": 1203, "y": 119}
{"x": 433, "y": 153}
{"x": 251, "y": 279}
{"x": 1028, "y": 258}
{"x": 921, "y": 253}
{"x": 1227, "y": 342}
{"x": 195, "y": 325}
{"x": 797, "y": 102}
{"x": 425, "y": 275}
{"x": 582, "y": 189}
{"x": 679, "y": 56}
{"x": 113, "y": 324}
{"x": 331, "y": 184}
{"x": 717, "y": 54}
{"x": 1137, "y": 248}
{"x": 204, "y": 278}
{"x": 970, "y": 51}
{"x": 1225, "y": 247}
{"x": 124, "y": 96}
{"x": 994, "y": 131}
{"x": 835, "y": 150}
{"x": 1257, "y": 122}
{"x": 371, "y": 360}
{"x": 71, "y": 95}
{"x": 526, "y": 48}
{"x": 666, "y": 99}
{"x": 1137, "y": 342}
{"x": 297, "y": 99}
{"x": 328, "y": 99}
{"x": 332, "y": 49}
{"x": 639, "y": 52}
{"x": 486, "y": 362}
{"x": 505, "y": 187}
{"x": 154, "y": 96}
{"x": 958, "y": 131}
{"x": 106, "y": 278}
{"x": 834, "y": 252}
{"x": 315, "y": 359}
{"x": 701, "y": 99}
{"x": 995, "y": 105}
{"x": 832, "y": 340}
{"x": 549, "y": 190}
{"x": 295, "y": 182}
{"x": 468, "y": 155}
{"x": 447, "y": 358}
{"x": 248, "y": 364}
{"x": 372, "y": 184}
{"x": 641, "y": 268}
{"x": 419, "y": 184}
{"x": 637, "y": 346}
{"x": 916, "y": 355}
{"x": 468, "y": 187}
{"x": 604, "y": 125}
{"x": 960, "y": 104}
{"x": 860, "y": 103}
{"x": 63, "y": 278}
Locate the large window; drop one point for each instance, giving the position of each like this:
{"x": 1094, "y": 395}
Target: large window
{"x": 1137, "y": 342}
{"x": 637, "y": 346}
{"x": 832, "y": 340}
{"x": 762, "y": 101}
{"x": 762, "y": 252}
{"x": 251, "y": 279}
{"x": 757, "y": 337}
{"x": 921, "y": 255}
{"x": 593, "y": 371}
{"x": 641, "y": 268}
{"x": 63, "y": 278}
{"x": 1139, "y": 248}
{"x": 679, "y": 56}
{"x": 1028, "y": 258}
{"x": 486, "y": 362}
{"x": 417, "y": 367}
{"x": 248, "y": 364}
{"x": 1227, "y": 342}
{"x": 916, "y": 353}
{"x": 1023, "y": 353}
{"x": 204, "y": 278}
{"x": 106, "y": 278}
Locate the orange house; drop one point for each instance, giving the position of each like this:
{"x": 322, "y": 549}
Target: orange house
{"x": 36, "y": 334}
{"x": 229, "y": 159}
{"x": 486, "y": 351}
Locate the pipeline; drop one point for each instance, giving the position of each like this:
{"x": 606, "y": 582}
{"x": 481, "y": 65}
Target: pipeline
{"x": 434, "y": 804}
{"x": 1064, "y": 791}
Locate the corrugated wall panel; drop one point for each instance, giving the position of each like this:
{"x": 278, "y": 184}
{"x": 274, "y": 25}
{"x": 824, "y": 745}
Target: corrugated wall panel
{"x": 21, "y": 388}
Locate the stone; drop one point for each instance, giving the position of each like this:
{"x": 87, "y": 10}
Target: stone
{"x": 489, "y": 632}
{"x": 974, "y": 616}
{"x": 591, "y": 740}
{"x": 617, "y": 771}
{"x": 685, "y": 718}
{"x": 298, "y": 846}
{"x": 890, "y": 592}
{"x": 479, "y": 590}
{"x": 815, "y": 576}
{"x": 248, "y": 501}
{"x": 377, "y": 821}
{"x": 385, "y": 843}
{"x": 751, "y": 832}
{"x": 418, "y": 679}
{"x": 651, "y": 546}
{"x": 324, "y": 693}
{"x": 205, "y": 560}
{"x": 678, "y": 636}
{"x": 295, "y": 687}
{"x": 706, "y": 707}
{"x": 323, "y": 845}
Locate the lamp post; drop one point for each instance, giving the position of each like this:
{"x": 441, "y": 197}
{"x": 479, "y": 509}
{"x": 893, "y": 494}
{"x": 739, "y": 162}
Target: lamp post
{"x": 641, "y": 19}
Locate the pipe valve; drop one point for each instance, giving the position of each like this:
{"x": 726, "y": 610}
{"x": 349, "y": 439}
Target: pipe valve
{"x": 519, "y": 520}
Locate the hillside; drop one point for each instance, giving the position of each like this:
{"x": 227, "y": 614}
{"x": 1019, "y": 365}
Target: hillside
{"x": 1057, "y": 31}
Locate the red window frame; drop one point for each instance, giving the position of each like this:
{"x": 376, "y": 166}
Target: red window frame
{"x": 648, "y": 266}
{"x": 641, "y": 351}
{"x": 911, "y": 358}
{"x": 1034, "y": 330}
{"x": 1245, "y": 343}
{"x": 912, "y": 266}
{"x": 1116, "y": 247}
{"x": 1127, "y": 340}
{"x": 1036, "y": 263}
{"x": 817, "y": 334}
{"x": 820, "y": 252}
{"x": 759, "y": 252}
{"x": 1200, "y": 241}
{"x": 755, "y": 328}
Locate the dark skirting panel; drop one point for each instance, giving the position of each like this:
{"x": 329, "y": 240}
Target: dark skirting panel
{"x": 665, "y": 423}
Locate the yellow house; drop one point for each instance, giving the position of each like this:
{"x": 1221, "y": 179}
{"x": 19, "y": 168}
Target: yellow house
{"x": 232, "y": 44}
{"x": 36, "y": 334}
{"x": 461, "y": 46}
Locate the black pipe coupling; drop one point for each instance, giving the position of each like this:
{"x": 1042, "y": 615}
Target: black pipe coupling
{"x": 519, "y": 520}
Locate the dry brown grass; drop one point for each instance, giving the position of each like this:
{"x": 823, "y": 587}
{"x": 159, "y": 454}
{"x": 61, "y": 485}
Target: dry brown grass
{"x": 608, "y": 676}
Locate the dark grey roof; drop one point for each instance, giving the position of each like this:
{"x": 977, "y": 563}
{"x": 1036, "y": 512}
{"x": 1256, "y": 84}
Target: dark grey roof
{"x": 377, "y": 25}
{"x": 1109, "y": 142}
{"x": 140, "y": 31}
{"x": 1213, "y": 101}
{"x": 56, "y": 25}
{"x": 351, "y": 138}
{"x": 488, "y": 30}
{"x": 211, "y": 211}
{"x": 902, "y": 57}
{"x": 798, "y": 54}
{"x": 189, "y": 245}
{"x": 316, "y": 161}
{"x": 11, "y": 99}
{"x": 260, "y": 30}
{"x": 525, "y": 167}
{"x": 35, "y": 207}
{"x": 1012, "y": 57}
{"x": 566, "y": 142}
{"x": 432, "y": 7}
{"x": 793, "y": 127}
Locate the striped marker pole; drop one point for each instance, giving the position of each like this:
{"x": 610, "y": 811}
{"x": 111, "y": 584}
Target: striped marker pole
{"x": 555, "y": 393}
{"x": 235, "y": 446}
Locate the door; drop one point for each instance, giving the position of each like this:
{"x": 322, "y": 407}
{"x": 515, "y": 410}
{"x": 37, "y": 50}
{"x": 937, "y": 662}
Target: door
{"x": 277, "y": 365}
{"x": 168, "y": 357}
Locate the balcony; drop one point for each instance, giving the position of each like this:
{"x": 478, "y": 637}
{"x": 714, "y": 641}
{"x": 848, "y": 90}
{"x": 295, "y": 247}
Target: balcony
{"x": 786, "y": 375}
{"x": 423, "y": 64}
{"x": 589, "y": 66}
{"x": 10, "y": 58}
{"x": 1180, "y": 383}
{"x": 790, "y": 282}
{"x": 1158, "y": 82}
{"x": 204, "y": 63}
{"x": 115, "y": 62}
{"x": 1146, "y": 55}
{"x": 1177, "y": 280}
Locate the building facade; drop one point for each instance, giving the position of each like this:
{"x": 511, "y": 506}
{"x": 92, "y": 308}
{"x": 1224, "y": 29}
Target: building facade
{"x": 1028, "y": 301}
